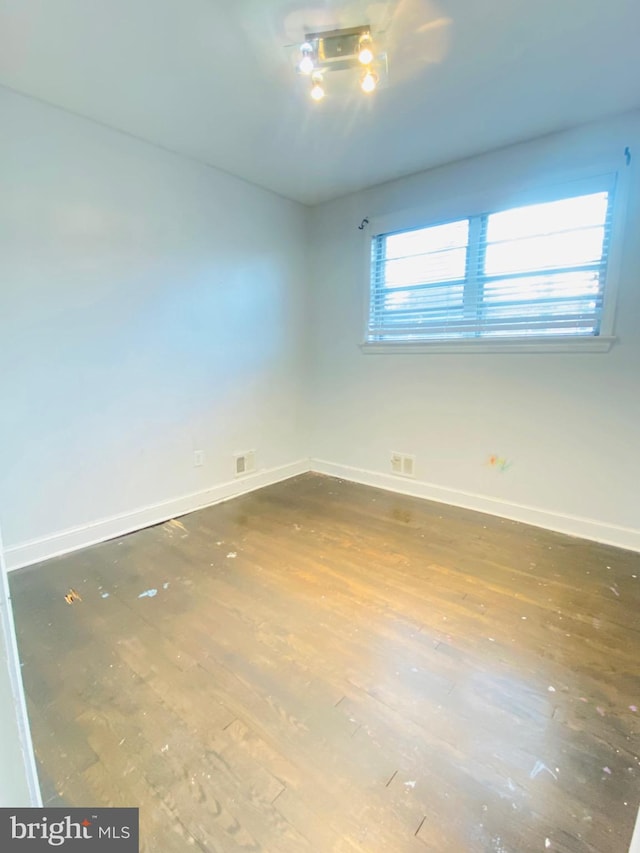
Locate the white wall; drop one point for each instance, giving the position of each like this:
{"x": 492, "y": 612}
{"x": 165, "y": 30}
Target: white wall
{"x": 568, "y": 422}
{"x": 149, "y": 306}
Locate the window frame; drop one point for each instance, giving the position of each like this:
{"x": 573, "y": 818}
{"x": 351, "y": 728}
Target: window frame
{"x": 610, "y": 177}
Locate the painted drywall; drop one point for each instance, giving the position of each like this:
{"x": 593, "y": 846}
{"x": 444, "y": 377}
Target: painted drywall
{"x": 149, "y": 307}
{"x": 567, "y": 422}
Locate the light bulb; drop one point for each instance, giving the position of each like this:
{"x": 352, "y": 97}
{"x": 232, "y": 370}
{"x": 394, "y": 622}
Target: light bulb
{"x": 369, "y": 82}
{"x": 317, "y": 91}
{"x": 305, "y": 66}
{"x": 365, "y": 53}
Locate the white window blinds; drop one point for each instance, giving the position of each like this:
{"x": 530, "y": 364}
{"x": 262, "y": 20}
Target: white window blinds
{"x": 537, "y": 270}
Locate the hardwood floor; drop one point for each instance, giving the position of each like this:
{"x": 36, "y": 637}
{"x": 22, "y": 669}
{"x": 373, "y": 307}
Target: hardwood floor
{"x": 330, "y": 667}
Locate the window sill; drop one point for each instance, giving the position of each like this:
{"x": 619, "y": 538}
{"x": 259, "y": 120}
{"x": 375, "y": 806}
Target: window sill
{"x": 554, "y": 344}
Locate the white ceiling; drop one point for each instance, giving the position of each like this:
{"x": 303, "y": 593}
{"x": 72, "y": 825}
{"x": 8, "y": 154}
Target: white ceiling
{"x": 214, "y": 79}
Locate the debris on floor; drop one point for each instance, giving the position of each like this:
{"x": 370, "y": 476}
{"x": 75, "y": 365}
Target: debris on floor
{"x": 148, "y": 593}
{"x": 539, "y": 767}
{"x": 174, "y": 525}
{"x": 72, "y": 596}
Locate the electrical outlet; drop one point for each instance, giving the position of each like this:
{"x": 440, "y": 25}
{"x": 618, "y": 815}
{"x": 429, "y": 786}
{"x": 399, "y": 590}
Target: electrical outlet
{"x": 244, "y": 463}
{"x": 408, "y": 465}
{"x": 198, "y": 458}
{"x": 403, "y": 464}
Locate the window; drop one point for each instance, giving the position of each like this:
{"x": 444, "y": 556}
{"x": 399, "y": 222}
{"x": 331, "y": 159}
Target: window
{"x": 517, "y": 275}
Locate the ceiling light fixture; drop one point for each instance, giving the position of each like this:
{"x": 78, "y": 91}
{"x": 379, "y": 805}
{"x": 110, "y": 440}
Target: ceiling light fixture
{"x": 345, "y": 50}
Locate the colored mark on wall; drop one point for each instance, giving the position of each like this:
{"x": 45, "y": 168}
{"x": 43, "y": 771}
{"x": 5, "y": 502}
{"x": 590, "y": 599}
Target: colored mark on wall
{"x": 499, "y": 463}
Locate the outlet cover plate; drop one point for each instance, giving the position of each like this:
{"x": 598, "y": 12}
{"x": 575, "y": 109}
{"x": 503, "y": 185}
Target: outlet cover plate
{"x": 244, "y": 463}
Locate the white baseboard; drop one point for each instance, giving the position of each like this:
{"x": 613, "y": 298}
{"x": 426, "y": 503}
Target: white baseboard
{"x": 21, "y": 778}
{"x": 585, "y": 528}
{"x": 36, "y": 550}
{"x": 635, "y": 841}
